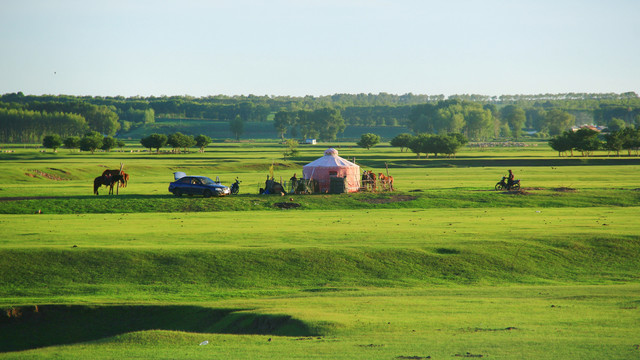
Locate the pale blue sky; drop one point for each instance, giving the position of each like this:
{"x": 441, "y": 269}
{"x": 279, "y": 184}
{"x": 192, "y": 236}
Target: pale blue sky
{"x": 289, "y": 47}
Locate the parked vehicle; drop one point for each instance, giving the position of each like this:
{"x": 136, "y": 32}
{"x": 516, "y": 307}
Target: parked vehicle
{"x": 504, "y": 185}
{"x": 235, "y": 187}
{"x": 198, "y": 185}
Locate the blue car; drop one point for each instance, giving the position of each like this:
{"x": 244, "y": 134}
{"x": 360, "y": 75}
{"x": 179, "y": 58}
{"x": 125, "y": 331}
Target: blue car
{"x": 198, "y": 185}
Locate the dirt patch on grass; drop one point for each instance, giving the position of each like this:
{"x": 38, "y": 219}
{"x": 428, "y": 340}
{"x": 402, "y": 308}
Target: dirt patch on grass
{"x": 39, "y": 173}
{"x": 564, "y": 189}
{"x": 532, "y": 188}
{"x": 392, "y": 199}
{"x": 286, "y": 205}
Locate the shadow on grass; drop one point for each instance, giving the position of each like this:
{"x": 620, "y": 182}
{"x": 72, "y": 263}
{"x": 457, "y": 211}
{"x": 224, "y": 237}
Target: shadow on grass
{"x": 31, "y": 327}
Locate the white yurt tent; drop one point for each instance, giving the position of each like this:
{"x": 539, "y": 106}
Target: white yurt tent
{"x": 333, "y": 166}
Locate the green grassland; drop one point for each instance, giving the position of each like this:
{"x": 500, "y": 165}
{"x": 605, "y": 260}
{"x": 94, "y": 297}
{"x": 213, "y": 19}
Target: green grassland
{"x": 444, "y": 267}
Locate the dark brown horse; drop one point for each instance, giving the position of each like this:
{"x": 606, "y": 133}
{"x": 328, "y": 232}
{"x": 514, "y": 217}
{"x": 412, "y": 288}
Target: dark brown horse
{"x": 125, "y": 176}
{"x": 107, "y": 180}
{"x": 369, "y": 180}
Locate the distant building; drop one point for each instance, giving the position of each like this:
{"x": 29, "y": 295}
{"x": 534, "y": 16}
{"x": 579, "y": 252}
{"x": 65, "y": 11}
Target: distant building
{"x": 310, "y": 141}
{"x": 592, "y": 127}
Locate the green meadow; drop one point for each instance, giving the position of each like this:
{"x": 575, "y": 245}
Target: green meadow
{"x": 444, "y": 267}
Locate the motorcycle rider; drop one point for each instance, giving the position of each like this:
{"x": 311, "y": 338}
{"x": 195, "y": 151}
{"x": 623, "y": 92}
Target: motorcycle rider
{"x": 510, "y": 180}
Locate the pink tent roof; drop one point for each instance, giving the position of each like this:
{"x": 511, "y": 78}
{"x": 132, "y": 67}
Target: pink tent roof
{"x": 331, "y": 159}
{"x": 330, "y": 165}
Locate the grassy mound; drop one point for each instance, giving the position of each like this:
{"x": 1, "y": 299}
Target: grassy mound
{"x": 398, "y": 200}
{"x": 140, "y": 273}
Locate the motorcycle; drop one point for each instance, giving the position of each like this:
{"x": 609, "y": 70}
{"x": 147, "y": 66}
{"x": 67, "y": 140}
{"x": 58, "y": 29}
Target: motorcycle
{"x": 504, "y": 184}
{"x": 235, "y": 187}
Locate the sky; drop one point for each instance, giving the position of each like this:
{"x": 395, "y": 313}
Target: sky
{"x": 318, "y": 47}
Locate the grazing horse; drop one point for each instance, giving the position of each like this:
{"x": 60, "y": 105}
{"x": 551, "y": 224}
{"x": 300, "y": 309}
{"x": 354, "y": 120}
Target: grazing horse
{"x": 106, "y": 180}
{"x": 386, "y": 181}
{"x": 125, "y": 176}
{"x": 369, "y": 180}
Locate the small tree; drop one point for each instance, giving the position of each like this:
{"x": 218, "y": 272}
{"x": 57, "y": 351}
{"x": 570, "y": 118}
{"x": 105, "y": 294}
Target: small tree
{"x": 614, "y": 141}
{"x": 121, "y": 144}
{"x": 202, "y": 141}
{"x": 562, "y": 143}
{"x": 586, "y": 141}
{"x": 179, "y": 140}
{"x": 292, "y": 148}
{"x": 91, "y": 141}
{"x": 402, "y": 141}
{"x": 52, "y": 142}
{"x": 154, "y": 141}
{"x": 368, "y": 140}
{"x": 237, "y": 126}
{"x": 421, "y": 144}
{"x": 108, "y": 143}
{"x": 631, "y": 139}
{"x": 72, "y": 142}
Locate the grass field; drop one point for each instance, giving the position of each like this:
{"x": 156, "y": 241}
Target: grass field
{"x": 443, "y": 268}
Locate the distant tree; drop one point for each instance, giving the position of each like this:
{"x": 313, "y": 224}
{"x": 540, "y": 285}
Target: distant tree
{"x": 630, "y": 139}
{"x": 91, "y": 141}
{"x": 71, "y": 142}
{"x": 449, "y": 144}
{"x": 402, "y": 141}
{"x": 202, "y": 141}
{"x": 515, "y": 117}
{"x": 586, "y": 141}
{"x": 179, "y": 140}
{"x": 479, "y": 123}
{"x": 422, "y": 119}
{"x": 562, "y": 143}
{"x": 108, "y": 143}
{"x": 328, "y": 122}
{"x": 421, "y": 143}
{"x": 368, "y": 140}
{"x": 614, "y": 141}
{"x": 121, "y": 144}
{"x": 616, "y": 124}
{"x": 292, "y": 148}
{"x": 101, "y": 119}
{"x": 154, "y": 141}
{"x": 52, "y": 142}
{"x": 237, "y": 126}
{"x": 556, "y": 121}
{"x": 282, "y": 121}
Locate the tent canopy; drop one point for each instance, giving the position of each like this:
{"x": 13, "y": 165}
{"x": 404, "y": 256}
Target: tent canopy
{"x": 332, "y": 165}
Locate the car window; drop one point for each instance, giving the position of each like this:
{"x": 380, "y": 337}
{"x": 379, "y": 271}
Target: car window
{"x": 207, "y": 181}
{"x": 184, "y": 180}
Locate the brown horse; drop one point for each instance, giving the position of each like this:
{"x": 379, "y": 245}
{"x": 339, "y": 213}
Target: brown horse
{"x": 369, "y": 180}
{"x": 125, "y": 176}
{"x": 386, "y": 181}
{"x": 107, "y": 180}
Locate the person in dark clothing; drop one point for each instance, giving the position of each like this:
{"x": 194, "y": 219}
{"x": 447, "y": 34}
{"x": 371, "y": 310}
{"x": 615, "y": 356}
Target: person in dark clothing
{"x": 510, "y": 179}
{"x": 294, "y": 183}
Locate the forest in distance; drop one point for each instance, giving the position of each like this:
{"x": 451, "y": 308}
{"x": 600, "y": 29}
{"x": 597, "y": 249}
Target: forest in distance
{"x": 29, "y": 118}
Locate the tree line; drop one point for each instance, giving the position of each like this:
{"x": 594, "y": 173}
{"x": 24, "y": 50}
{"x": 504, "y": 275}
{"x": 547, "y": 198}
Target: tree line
{"x": 586, "y": 141}
{"x": 176, "y": 141}
{"x": 324, "y": 124}
{"x": 91, "y": 141}
{"x": 478, "y": 117}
